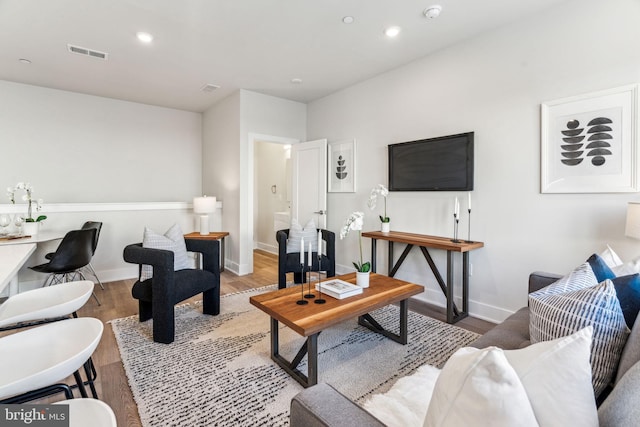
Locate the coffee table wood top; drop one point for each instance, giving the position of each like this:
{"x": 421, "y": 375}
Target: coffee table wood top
{"x": 312, "y": 318}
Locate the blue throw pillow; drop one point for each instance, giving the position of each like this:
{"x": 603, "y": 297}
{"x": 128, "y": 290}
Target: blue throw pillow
{"x": 600, "y": 268}
{"x": 628, "y": 293}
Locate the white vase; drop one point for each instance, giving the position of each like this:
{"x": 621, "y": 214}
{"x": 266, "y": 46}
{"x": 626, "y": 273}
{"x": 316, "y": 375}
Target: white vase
{"x": 385, "y": 227}
{"x": 30, "y": 228}
{"x": 362, "y": 279}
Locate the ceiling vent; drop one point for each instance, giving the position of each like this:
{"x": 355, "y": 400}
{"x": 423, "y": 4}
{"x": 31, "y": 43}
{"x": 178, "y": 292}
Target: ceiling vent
{"x": 209, "y": 87}
{"x": 87, "y": 52}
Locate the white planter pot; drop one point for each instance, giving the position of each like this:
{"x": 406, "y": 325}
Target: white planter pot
{"x": 362, "y": 279}
{"x": 30, "y": 228}
{"x": 385, "y": 227}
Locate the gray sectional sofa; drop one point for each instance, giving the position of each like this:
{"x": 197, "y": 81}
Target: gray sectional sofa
{"x": 322, "y": 405}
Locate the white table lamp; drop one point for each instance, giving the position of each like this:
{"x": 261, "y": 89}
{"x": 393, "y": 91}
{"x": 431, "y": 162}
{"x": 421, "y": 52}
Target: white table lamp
{"x": 632, "y": 228}
{"x": 204, "y": 206}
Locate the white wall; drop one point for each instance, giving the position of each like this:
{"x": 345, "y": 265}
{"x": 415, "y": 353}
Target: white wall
{"x": 270, "y": 166}
{"x": 88, "y": 150}
{"x": 229, "y": 131}
{"x": 492, "y": 85}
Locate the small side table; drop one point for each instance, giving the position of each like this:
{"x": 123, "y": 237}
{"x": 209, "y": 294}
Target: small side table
{"x": 214, "y": 235}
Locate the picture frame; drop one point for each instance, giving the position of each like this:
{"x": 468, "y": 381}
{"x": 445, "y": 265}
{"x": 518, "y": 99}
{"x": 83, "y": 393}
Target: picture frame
{"x": 342, "y": 166}
{"x": 589, "y": 143}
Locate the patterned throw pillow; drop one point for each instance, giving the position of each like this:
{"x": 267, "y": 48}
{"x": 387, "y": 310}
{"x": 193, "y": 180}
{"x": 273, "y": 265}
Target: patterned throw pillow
{"x": 558, "y": 311}
{"x": 296, "y": 233}
{"x": 172, "y": 240}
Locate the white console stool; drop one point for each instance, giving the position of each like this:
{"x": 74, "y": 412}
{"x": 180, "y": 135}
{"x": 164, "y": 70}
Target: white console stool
{"x": 40, "y": 357}
{"x": 44, "y": 304}
{"x": 89, "y": 412}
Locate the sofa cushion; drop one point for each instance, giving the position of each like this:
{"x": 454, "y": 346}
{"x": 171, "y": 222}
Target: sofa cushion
{"x": 631, "y": 353}
{"x": 621, "y": 408}
{"x": 555, "y": 312}
{"x": 172, "y": 240}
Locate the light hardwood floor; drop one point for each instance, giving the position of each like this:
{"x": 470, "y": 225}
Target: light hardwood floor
{"x": 117, "y": 302}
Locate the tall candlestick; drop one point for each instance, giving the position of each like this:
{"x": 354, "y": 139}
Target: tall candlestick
{"x": 302, "y": 251}
{"x": 319, "y": 243}
{"x": 310, "y": 260}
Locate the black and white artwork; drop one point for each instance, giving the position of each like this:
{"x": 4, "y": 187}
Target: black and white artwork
{"x": 589, "y": 143}
{"x": 342, "y": 167}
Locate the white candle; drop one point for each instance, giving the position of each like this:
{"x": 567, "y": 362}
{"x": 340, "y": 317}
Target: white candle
{"x": 302, "y": 251}
{"x": 456, "y": 208}
{"x": 310, "y": 261}
{"x": 319, "y": 243}
{"x": 469, "y": 194}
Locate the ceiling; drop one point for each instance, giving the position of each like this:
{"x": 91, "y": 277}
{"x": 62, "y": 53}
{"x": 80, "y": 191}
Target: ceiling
{"x": 259, "y": 45}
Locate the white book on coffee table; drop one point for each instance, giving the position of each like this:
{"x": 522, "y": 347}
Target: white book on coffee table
{"x": 338, "y": 289}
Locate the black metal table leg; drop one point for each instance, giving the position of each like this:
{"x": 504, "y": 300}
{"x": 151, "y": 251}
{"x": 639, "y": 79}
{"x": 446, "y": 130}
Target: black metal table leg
{"x": 369, "y": 322}
{"x": 373, "y": 254}
{"x": 310, "y": 348}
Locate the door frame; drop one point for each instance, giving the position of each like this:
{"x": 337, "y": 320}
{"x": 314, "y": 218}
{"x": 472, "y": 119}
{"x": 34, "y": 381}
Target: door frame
{"x": 253, "y": 139}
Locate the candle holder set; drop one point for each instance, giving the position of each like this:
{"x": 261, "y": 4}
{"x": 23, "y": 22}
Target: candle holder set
{"x": 305, "y": 297}
{"x": 456, "y": 220}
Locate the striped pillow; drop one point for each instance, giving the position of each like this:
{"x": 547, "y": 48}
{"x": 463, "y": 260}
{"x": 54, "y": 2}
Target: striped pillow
{"x": 173, "y": 240}
{"x": 558, "y": 314}
{"x": 296, "y": 233}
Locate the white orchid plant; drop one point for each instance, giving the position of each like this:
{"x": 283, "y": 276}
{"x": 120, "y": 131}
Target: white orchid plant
{"x": 27, "y": 197}
{"x": 379, "y": 190}
{"x": 355, "y": 222}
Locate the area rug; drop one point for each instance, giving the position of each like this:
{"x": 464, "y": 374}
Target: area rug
{"x": 218, "y": 371}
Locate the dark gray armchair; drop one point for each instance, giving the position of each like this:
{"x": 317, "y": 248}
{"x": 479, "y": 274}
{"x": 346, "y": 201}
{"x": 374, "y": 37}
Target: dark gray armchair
{"x": 290, "y": 263}
{"x": 158, "y": 296}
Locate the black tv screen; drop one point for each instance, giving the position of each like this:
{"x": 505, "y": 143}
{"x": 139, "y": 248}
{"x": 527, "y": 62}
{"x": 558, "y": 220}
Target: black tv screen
{"x": 435, "y": 164}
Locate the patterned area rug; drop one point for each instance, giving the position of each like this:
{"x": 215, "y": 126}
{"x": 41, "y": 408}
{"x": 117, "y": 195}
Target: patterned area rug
{"x": 218, "y": 371}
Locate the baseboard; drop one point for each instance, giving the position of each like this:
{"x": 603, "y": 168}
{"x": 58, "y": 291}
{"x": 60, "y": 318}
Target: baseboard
{"x": 435, "y": 297}
{"x": 272, "y": 249}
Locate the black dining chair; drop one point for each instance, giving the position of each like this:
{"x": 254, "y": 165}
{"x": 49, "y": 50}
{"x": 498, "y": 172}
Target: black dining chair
{"x": 89, "y": 225}
{"x": 290, "y": 262}
{"x": 73, "y": 253}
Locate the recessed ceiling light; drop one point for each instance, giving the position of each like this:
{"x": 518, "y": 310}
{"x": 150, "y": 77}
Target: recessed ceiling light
{"x": 24, "y": 61}
{"x": 296, "y": 81}
{"x": 144, "y": 37}
{"x": 392, "y": 31}
{"x": 348, "y": 19}
{"x": 433, "y": 11}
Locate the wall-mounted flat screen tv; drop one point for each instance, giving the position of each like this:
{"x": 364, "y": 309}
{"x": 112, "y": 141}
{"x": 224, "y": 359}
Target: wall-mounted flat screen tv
{"x": 435, "y": 164}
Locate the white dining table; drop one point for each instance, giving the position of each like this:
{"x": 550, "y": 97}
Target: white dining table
{"x": 12, "y": 258}
{"x": 15, "y": 252}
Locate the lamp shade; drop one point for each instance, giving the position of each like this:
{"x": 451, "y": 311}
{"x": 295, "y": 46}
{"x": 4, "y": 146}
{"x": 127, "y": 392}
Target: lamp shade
{"x": 632, "y": 228}
{"x": 204, "y": 205}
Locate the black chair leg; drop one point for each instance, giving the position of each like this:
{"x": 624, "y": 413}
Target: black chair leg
{"x": 80, "y": 383}
{"x": 39, "y": 393}
{"x": 145, "y": 310}
{"x": 211, "y": 301}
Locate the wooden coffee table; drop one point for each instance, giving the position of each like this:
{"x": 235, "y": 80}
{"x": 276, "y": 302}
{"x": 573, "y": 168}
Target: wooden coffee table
{"x": 311, "y": 319}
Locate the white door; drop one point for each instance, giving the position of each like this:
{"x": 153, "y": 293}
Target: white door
{"x": 309, "y": 182}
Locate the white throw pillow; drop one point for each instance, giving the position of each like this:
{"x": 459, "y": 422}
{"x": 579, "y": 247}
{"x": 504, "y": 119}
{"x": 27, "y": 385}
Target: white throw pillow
{"x": 478, "y": 387}
{"x": 297, "y": 233}
{"x": 556, "y": 375}
{"x": 172, "y": 240}
{"x": 406, "y": 403}
{"x": 631, "y": 267}
{"x": 611, "y": 258}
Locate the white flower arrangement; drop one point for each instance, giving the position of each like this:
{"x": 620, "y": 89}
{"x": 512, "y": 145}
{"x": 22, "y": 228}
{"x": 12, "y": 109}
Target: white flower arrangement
{"x": 380, "y": 190}
{"x": 27, "y": 197}
{"x": 355, "y": 222}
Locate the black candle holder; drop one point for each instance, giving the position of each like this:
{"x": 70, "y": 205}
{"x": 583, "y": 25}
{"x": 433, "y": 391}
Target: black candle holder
{"x": 319, "y": 300}
{"x": 302, "y": 301}
{"x": 469, "y": 229}
{"x": 455, "y": 229}
{"x": 309, "y": 295}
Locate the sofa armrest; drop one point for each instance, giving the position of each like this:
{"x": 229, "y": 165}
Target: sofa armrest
{"x": 540, "y": 279}
{"x": 323, "y": 406}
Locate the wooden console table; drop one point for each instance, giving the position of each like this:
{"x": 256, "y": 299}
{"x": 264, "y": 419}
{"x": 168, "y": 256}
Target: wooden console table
{"x": 213, "y": 235}
{"x": 425, "y": 242}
